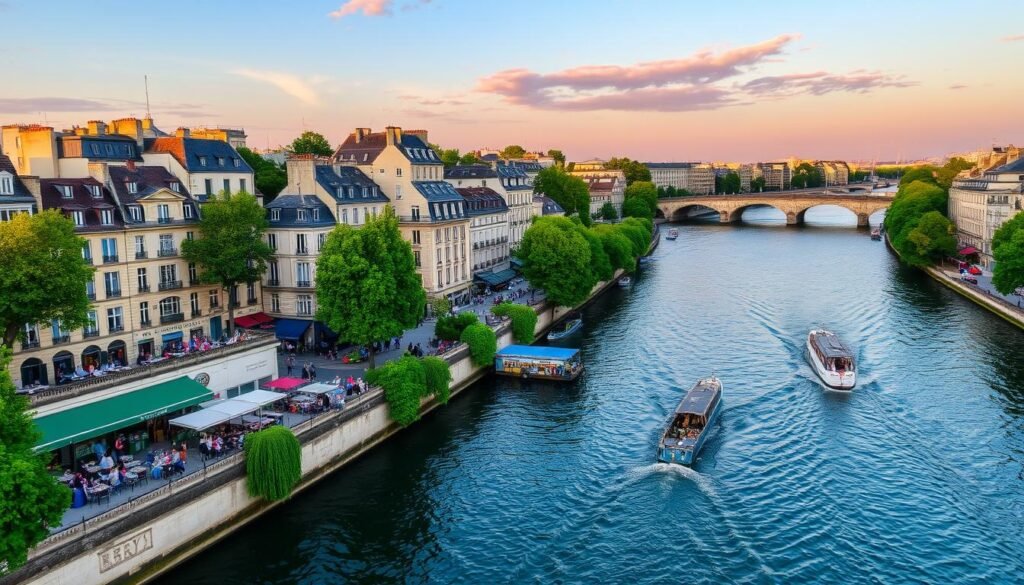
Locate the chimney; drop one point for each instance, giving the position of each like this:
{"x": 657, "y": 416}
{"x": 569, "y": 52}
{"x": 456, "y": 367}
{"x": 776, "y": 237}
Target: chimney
{"x": 394, "y": 135}
{"x": 97, "y": 127}
{"x": 361, "y": 133}
{"x": 101, "y": 172}
{"x": 182, "y": 133}
{"x": 32, "y": 184}
{"x": 80, "y": 131}
{"x": 301, "y": 171}
{"x": 129, "y": 127}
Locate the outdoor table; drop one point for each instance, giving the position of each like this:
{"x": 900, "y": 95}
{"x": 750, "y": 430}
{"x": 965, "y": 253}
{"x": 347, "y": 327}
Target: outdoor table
{"x": 99, "y": 491}
{"x": 138, "y": 469}
{"x": 92, "y": 469}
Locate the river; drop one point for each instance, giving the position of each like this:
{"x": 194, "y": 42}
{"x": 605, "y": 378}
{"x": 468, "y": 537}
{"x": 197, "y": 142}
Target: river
{"x": 914, "y": 477}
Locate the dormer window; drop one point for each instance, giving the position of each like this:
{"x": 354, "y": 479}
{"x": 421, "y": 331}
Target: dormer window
{"x": 220, "y": 161}
{"x": 106, "y": 216}
{"x": 66, "y": 191}
{"x": 6, "y": 183}
{"x": 373, "y": 191}
{"x": 175, "y": 186}
{"x": 300, "y": 214}
{"x": 341, "y": 192}
{"x": 187, "y": 211}
{"x": 316, "y": 215}
{"x": 351, "y": 192}
{"x": 78, "y": 217}
{"x": 133, "y": 187}
{"x": 202, "y": 161}
{"x": 94, "y": 190}
{"x": 275, "y": 215}
{"x": 237, "y": 162}
{"x": 366, "y": 192}
{"x": 136, "y": 212}
{"x": 95, "y": 149}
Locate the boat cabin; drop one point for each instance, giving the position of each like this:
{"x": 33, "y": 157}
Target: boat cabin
{"x": 691, "y": 416}
{"x": 546, "y": 363}
{"x": 831, "y": 352}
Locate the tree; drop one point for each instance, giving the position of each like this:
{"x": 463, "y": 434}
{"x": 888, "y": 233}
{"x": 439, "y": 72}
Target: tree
{"x": 600, "y": 264}
{"x": 366, "y": 282}
{"x": 806, "y": 175}
{"x": 617, "y": 246}
{"x": 912, "y": 202}
{"x": 512, "y": 151}
{"x": 440, "y": 306}
{"x": 924, "y": 173}
{"x": 311, "y": 143}
{"x": 470, "y": 158}
{"x": 931, "y": 239}
{"x": 43, "y": 276}
{"x": 30, "y": 501}
{"x": 405, "y": 383}
{"x": 568, "y": 191}
{"x": 646, "y": 192}
{"x": 731, "y": 183}
{"x": 524, "y": 320}
{"x": 945, "y": 175}
{"x": 230, "y": 249}
{"x": 757, "y": 184}
{"x": 636, "y": 207}
{"x": 556, "y": 258}
{"x": 1008, "y": 252}
{"x": 273, "y": 463}
{"x": 558, "y": 156}
{"x": 633, "y": 170}
{"x": 270, "y": 178}
{"x": 482, "y": 342}
{"x": 450, "y": 157}
{"x": 450, "y": 327}
{"x": 608, "y": 212}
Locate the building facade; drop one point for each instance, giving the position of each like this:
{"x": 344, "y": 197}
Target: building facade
{"x": 517, "y": 182}
{"x": 206, "y": 167}
{"x": 697, "y": 178}
{"x": 778, "y": 176}
{"x": 432, "y": 215}
{"x": 833, "y": 172}
{"x": 489, "y": 229}
{"x": 15, "y": 198}
{"x": 979, "y": 206}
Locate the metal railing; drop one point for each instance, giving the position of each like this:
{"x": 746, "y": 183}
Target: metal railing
{"x": 172, "y": 318}
{"x": 109, "y": 259}
{"x": 169, "y": 285}
{"x": 166, "y": 252}
{"x": 113, "y": 293}
{"x": 141, "y": 255}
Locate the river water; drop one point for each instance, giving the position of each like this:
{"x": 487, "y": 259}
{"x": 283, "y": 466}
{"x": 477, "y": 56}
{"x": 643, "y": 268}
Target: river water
{"x": 915, "y": 477}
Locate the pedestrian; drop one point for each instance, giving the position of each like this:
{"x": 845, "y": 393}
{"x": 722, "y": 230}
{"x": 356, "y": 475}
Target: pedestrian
{"x": 312, "y": 372}
{"x": 289, "y": 363}
{"x": 305, "y": 371}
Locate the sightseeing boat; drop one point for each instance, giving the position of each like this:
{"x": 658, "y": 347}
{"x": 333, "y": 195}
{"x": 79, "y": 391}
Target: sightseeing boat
{"x": 539, "y": 362}
{"x": 876, "y": 233}
{"x": 565, "y": 329}
{"x": 625, "y": 281}
{"x": 691, "y": 423}
{"x": 831, "y": 359}
{"x": 672, "y": 234}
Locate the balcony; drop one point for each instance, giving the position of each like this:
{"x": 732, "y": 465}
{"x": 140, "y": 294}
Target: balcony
{"x": 114, "y": 293}
{"x": 91, "y": 296}
{"x": 90, "y": 333}
{"x": 166, "y": 252}
{"x": 145, "y": 323}
{"x": 197, "y": 313}
{"x": 172, "y": 318}
{"x": 170, "y": 284}
{"x": 141, "y": 255}
{"x": 252, "y": 301}
{"x": 303, "y": 284}
{"x": 215, "y": 305}
{"x": 25, "y": 345}
{"x": 273, "y": 282}
{"x": 110, "y": 259}
{"x": 143, "y": 288}
{"x": 117, "y": 329}
{"x": 164, "y": 220}
{"x": 61, "y": 339}
{"x": 302, "y": 252}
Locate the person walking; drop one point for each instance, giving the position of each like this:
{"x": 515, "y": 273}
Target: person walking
{"x": 289, "y": 363}
{"x": 312, "y": 372}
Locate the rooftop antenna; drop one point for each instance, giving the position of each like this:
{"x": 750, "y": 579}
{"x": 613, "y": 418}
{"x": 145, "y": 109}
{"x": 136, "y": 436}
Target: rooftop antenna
{"x": 145, "y": 79}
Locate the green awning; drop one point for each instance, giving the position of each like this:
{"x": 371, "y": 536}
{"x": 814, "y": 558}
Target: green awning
{"x": 91, "y": 420}
{"x": 496, "y": 278}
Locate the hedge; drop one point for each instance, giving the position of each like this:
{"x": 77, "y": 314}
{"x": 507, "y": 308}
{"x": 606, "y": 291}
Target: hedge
{"x": 482, "y": 342}
{"x": 273, "y": 463}
{"x": 524, "y": 320}
{"x": 408, "y": 380}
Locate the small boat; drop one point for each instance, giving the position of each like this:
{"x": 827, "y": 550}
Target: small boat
{"x": 672, "y": 234}
{"x": 691, "y": 422}
{"x": 876, "y": 233}
{"x": 831, "y": 359}
{"x": 625, "y": 282}
{"x": 646, "y": 260}
{"x": 566, "y": 329}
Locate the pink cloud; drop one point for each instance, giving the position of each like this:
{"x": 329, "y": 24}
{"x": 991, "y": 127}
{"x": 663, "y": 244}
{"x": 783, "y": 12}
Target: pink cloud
{"x": 1012, "y": 38}
{"x": 366, "y": 7}
{"x": 820, "y": 83}
{"x": 958, "y": 86}
{"x": 661, "y": 85}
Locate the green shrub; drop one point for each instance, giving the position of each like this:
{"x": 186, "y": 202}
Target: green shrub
{"x": 273, "y": 463}
{"x": 482, "y": 342}
{"x": 438, "y": 375}
{"x": 405, "y": 383}
{"x": 524, "y": 320}
{"x": 450, "y": 328}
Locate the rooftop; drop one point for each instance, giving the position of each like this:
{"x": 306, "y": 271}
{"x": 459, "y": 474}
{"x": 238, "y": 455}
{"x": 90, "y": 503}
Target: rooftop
{"x": 363, "y": 147}
{"x": 148, "y": 180}
{"x": 470, "y": 172}
{"x": 199, "y": 155}
{"x": 482, "y": 201}
{"x": 20, "y": 194}
{"x": 348, "y": 184}
{"x": 86, "y": 195}
{"x": 288, "y": 214}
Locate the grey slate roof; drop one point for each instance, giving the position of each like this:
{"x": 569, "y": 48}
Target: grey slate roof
{"x": 482, "y": 201}
{"x": 670, "y": 165}
{"x": 513, "y": 177}
{"x": 288, "y": 216}
{"x": 369, "y": 147}
{"x": 349, "y": 185}
{"x": 470, "y": 172}
{"x": 21, "y": 194}
{"x": 444, "y": 201}
{"x": 1016, "y": 166}
{"x": 549, "y": 205}
{"x": 219, "y": 156}
{"x": 81, "y": 199}
{"x": 105, "y": 147}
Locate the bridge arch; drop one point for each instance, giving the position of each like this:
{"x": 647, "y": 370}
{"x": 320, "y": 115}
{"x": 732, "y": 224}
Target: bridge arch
{"x": 801, "y": 216}
{"x": 688, "y": 211}
{"x": 736, "y": 215}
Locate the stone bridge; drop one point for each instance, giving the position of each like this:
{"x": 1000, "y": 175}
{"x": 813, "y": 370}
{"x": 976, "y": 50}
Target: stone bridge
{"x": 794, "y": 204}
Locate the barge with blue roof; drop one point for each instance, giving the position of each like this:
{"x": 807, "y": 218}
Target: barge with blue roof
{"x": 539, "y": 362}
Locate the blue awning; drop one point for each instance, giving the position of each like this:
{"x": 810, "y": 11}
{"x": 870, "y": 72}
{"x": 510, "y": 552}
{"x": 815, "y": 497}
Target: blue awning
{"x": 496, "y": 278}
{"x": 290, "y": 329}
{"x": 172, "y": 336}
{"x": 324, "y": 331}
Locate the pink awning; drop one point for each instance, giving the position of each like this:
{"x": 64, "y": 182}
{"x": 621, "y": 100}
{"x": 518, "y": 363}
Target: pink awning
{"x": 285, "y": 383}
{"x": 968, "y": 251}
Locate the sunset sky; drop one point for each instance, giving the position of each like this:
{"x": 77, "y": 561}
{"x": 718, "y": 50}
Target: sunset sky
{"x": 653, "y": 80}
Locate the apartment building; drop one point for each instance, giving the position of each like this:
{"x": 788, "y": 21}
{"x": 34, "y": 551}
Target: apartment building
{"x": 233, "y": 136}
{"x": 544, "y": 205}
{"x": 432, "y": 215}
{"x": 980, "y": 205}
{"x": 833, "y": 172}
{"x": 517, "y": 182}
{"x": 15, "y": 198}
{"x": 697, "y": 178}
{"x": 489, "y": 234}
{"x": 605, "y": 190}
{"x": 778, "y": 176}
{"x": 206, "y": 167}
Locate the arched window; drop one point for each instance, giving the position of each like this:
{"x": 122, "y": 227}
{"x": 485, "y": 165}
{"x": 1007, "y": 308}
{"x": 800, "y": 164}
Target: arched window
{"x": 91, "y": 357}
{"x": 116, "y": 353}
{"x": 33, "y": 372}
{"x": 63, "y": 364}
{"x": 170, "y": 306}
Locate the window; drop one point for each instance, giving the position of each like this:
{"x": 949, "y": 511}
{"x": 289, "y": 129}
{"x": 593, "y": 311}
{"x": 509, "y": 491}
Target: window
{"x": 163, "y": 213}
{"x": 300, "y": 215}
{"x": 66, "y": 191}
{"x": 170, "y": 306}
{"x": 316, "y": 215}
{"x": 92, "y": 326}
{"x": 209, "y": 186}
{"x": 6, "y": 184}
{"x": 167, "y": 245}
{"x": 398, "y": 191}
{"x": 272, "y": 240}
{"x": 57, "y": 329}
{"x": 187, "y": 211}
{"x": 275, "y": 214}
{"x": 250, "y": 291}
{"x": 220, "y": 161}
{"x": 366, "y": 192}
{"x": 106, "y": 216}
{"x": 112, "y": 283}
{"x": 320, "y": 239}
{"x": 143, "y": 279}
{"x": 214, "y": 298}
{"x": 416, "y": 236}
{"x": 95, "y": 191}
{"x": 344, "y": 216}
{"x": 416, "y": 256}
{"x": 136, "y": 212}
{"x": 273, "y": 274}
{"x": 87, "y": 253}
{"x": 202, "y": 162}
{"x": 78, "y": 217}
{"x": 193, "y": 273}
{"x": 415, "y": 212}
{"x": 133, "y": 187}
{"x": 275, "y": 303}
{"x": 115, "y": 319}
{"x": 144, "y": 313}
{"x": 398, "y": 172}
{"x": 300, "y": 244}
{"x": 227, "y": 185}
{"x": 302, "y": 274}
{"x": 90, "y": 290}
{"x": 193, "y": 300}
{"x": 175, "y": 186}
{"x": 304, "y": 305}
{"x": 355, "y": 215}
{"x": 238, "y": 164}
{"x": 190, "y": 236}
{"x": 241, "y": 185}
{"x": 168, "y": 274}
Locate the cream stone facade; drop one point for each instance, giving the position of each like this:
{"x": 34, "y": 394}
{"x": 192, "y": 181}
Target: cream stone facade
{"x": 697, "y": 178}
{"x": 979, "y": 206}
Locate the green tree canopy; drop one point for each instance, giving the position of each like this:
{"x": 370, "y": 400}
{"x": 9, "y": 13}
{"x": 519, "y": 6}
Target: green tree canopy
{"x": 30, "y": 501}
{"x": 617, "y": 246}
{"x": 42, "y": 273}
{"x": 273, "y": 463}
{"x": 1008, "y": 252}
{"x": 270, "y": 178}
{"x": 512, "y": 151}
{"x": 757, "y": 184}
{"x": 637, "y": 207}
{"x": 646, "y": 192}
{"x": 608, "y": 212}
{"x": 600, "y": 264}
{"x": 556, "y": 257}
{"x": 638, "y": 230}
{"x": 945, "y": 175}
{"x": 806, "y": 175}
{"x": 311, "y": 143}
{"x": 633, "y": 170}
{"x": 482, "y": 342}
{"x": 931, "y": 238}
{"x": 450, "y": 327}
{"x": 230, "y": 249}
{"x": 366, "y": 282}
{"x": 404, "y": 382}
{"x": 924, "y": 173}
{"x": 558, "y": 156}
{"x": 524, "y": 321}
{"x": 568, "y": 191}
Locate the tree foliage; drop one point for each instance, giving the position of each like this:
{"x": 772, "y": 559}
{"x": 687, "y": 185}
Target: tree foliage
{"x": 646, "y": 192}
{"x": 512, "y": 151}
{"x": 637, "y": 208}
{"x": 366, "y": 282}
{"x": 728, "y": 183}
{"x": 482, "y": 342}
{"x": 608, "y": 212}
{"x": 1008, "y": 252}
{"x": 42, "y": 273}
{"x": 270, "y": 177}
{"x": 806, "y": 175}
{"x": 568, "y": 191}
{"x": 757, "y": 184}
{"x": 230, "y": 249}
{"x": 30, "y": 501}
{"x": 524, "y": 320}
{"x": 438, "y": 376}
{"x": 633, "y": 170}
{"x": 932, "y": 238}
{"x": 600, "y": 265}
{"x": 617, "y": 246}
{"x": 273, "y": 463}
{"x": 311, "y": 143}
{"x": 556, "y": 257}
{"x": 558, "y": 156}
{"x": 405, "y": 383}
{"x": 450, "y": 327}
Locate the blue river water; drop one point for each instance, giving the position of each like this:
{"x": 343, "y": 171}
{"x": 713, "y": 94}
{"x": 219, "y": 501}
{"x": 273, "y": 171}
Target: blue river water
{"x": 917, "y": 476}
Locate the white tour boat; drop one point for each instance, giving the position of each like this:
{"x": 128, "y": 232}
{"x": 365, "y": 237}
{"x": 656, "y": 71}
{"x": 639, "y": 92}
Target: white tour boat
{"x": 831, "y": 359}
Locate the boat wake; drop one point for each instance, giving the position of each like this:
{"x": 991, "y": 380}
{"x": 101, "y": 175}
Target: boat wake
{"x": 703, "y": 482}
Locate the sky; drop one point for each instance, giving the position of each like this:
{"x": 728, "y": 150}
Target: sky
{"x": 654, "y": 80}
